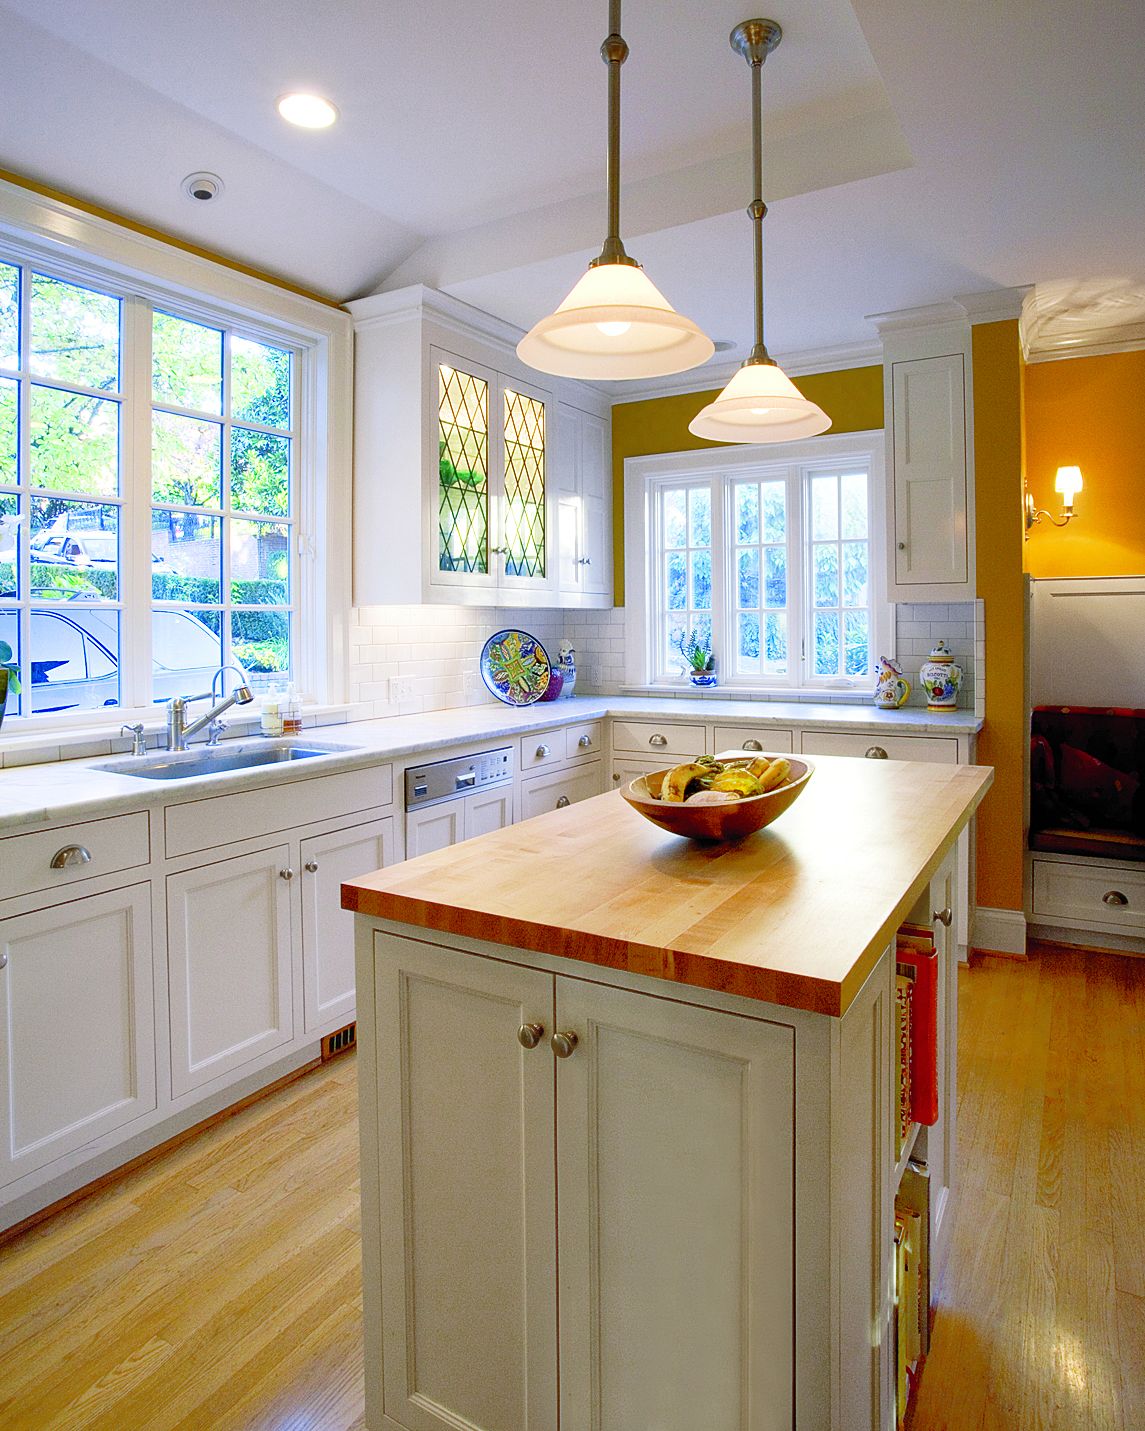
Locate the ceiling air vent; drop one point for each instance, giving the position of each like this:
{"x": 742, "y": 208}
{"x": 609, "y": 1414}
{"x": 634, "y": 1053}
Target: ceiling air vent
{"x": 204, "y": 188}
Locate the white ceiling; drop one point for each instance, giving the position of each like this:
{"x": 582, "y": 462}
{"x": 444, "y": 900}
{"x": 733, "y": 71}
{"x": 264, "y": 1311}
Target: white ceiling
{"x": 913, "y": 151}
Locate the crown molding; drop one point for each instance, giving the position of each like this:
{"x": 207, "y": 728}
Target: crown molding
{"x": 382, "y": 309}
{"x": 835, "y": 358}
{"x": 995, "y": 305}
{"x": 1057, "y": 323}
{"x": 909, "y": 320}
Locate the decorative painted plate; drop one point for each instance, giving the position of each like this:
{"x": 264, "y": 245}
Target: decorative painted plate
{"x": 515, "y": 668}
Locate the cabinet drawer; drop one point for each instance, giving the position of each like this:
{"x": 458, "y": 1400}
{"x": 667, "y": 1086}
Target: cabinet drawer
{"x": 224, "y": 819}
{"x": 583, "y": 740}
{"x": 542, "y": 751}
{"x": 937, "y": 749}
{"x": 645, "y": 737}
{"x": 561, "y": 788}
{"x": 121, "y": 842}
{"x": 775, "y": 739}
{"x": 1093, "y": 893}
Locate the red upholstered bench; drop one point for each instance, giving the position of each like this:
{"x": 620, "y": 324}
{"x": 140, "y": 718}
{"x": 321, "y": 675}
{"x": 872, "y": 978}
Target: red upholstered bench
{"x": 1087, "y": 781}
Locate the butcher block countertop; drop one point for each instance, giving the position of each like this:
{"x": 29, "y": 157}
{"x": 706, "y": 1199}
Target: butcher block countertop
{"x": 796, "y": 915}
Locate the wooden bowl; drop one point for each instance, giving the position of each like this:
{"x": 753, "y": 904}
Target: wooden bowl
{"x": 716, "y": 823}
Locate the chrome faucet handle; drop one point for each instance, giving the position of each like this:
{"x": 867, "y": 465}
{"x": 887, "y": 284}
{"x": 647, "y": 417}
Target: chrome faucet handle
{"x": 215, "y": 730}
{"x": 138, "y": 741}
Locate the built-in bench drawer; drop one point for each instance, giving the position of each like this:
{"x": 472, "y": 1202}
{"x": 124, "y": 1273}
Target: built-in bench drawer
{"x": 583, "y": 740}
{"x": 655, "y": 738}
{"x": 1108, "y": 895}
{"x": 542, "y": 751}
{"x": 247, "y": 814}
{"x": 938, "y": 749}
{"x": 776, "y": 739}
{"x": 50, "y": 859}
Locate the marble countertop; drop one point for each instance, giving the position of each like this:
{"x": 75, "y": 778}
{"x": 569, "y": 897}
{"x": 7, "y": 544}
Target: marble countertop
{"x": 66, "y": 790}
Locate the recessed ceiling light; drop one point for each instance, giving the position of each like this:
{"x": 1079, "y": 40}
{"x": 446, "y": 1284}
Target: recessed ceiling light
{"x": 309, "y": 111}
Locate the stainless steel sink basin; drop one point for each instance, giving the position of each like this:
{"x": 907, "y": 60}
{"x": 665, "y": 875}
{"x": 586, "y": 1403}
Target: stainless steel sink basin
{"x": 182, "y": 765}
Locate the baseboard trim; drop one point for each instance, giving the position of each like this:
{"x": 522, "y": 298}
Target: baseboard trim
{"x": 999, "y": 931}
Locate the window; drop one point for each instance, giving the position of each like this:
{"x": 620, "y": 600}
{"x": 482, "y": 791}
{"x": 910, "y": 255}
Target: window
{"x": 119, "y": 416}
{"x": 770, "y": 555}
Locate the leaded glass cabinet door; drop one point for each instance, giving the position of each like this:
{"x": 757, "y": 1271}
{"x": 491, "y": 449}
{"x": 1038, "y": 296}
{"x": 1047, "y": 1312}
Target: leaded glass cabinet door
{"x": 462, "y": 553}
{"x": 523, "y": 536}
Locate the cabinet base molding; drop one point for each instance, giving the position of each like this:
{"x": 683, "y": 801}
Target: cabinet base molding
{"x": 1089, "y": 941}
{"x": 999, "y": 931}
{"x": 109, "y": 1167}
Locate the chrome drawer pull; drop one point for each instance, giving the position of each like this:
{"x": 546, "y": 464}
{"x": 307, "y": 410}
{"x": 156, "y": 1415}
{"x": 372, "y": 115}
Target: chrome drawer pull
{"x": 563, "y": 802}
{"x": 658, "y": 740}
{"x": 311, "y": 866}
{"x": 70, "y": 856}
{"x": 1114, "y": 897}
{"x": 584, "y": 742}
{"x": 876, "y": 752}
{"x": 944, "y": 916}
{"x": 751, "y": 745}
{"x": 544, "y": 751}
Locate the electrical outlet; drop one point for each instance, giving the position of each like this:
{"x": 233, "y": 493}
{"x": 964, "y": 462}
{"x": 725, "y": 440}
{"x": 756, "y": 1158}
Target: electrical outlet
{"x": 469, "y": 682}
{"x": 401, "y": 689}
{"x": 594, "y": 677}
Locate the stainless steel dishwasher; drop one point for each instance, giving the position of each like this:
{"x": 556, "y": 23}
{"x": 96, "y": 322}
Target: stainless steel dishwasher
{"x": 451, "y": 800}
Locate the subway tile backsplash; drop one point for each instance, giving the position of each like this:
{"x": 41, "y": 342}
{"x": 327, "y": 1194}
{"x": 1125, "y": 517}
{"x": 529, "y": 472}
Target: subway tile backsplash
{"x": 962, "y": 625}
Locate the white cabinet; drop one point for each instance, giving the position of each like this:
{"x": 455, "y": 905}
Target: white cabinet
{"x": 584, "y": 495}
{"x": 327, "y": 929}
{"x": 937, "y": 749}
{"x": 435, "y": 827}
{"x": 229, "y": 950}
{"x": 561, "y": 788}
{"x": 77, "y": 1026}
{"x": 672, "y": 1218}
{"x": 774, "y": 739}
{"x": 930, "y": 463}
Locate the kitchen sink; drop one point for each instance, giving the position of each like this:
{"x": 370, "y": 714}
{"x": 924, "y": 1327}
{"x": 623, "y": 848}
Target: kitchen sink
{"x": 183, "y": 764}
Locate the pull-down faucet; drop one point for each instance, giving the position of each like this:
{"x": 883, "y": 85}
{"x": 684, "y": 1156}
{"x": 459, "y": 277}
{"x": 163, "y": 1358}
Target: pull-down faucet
{"x": 179, "y": 729}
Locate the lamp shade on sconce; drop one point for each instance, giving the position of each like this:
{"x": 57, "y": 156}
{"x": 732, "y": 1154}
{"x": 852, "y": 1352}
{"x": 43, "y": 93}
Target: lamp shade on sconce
{"x": 1068, "y": 483}
{"x": 615, "y": 324}
{"x": 759, "y": 404}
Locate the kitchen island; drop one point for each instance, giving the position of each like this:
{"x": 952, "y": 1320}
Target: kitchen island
{"x": 628, "y": 1105}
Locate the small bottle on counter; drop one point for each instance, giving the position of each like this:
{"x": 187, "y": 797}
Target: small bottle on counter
{"x": 270, "y": 717}
{"x": 292, "y": 712}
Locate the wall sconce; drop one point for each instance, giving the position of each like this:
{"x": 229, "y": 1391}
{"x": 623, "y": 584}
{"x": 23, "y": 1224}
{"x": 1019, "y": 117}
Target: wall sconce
{"x": 1068, "y": 484}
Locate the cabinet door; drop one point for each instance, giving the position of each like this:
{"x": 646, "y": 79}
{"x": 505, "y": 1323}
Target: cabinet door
{"x": 595, "y": 558}
{"x": 435, "y": 827}
{"x": 460, "y": 493}
{"x": 77, "y": 1026}
{"x": 487, "y": 810}
{"x": 626, "y": 768}
{"x": 675, "y": 1162}
{"x": 523, "y": 545}
{"x": 327, "y": 928}
{"x": 467, "y": 1242}
{"x": 931, "y": 540}
{"x": 560, "y": 788}
{"x": 229, "y": 956}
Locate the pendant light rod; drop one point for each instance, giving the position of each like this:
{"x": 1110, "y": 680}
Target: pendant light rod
{"x": 755, "y": 40}
{"x": 613, "y": 52}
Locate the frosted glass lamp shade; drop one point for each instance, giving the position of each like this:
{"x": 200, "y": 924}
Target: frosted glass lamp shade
{"x": 759, "y": 404}
{"x": 1068, "y": 483}
{"x": 615, "y": 324}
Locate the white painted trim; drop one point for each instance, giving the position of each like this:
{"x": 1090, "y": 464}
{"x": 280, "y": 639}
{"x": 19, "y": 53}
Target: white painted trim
{"x": 1087, "y": 937}
{"x": 930, "y": 315}
{"x": 996, "y": 305}
{"x": 1000, "y": 930}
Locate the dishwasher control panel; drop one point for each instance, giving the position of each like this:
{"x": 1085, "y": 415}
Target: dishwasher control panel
{"x": 449, "y": 779}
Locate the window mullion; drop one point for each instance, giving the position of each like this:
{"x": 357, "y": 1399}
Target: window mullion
{"x": 798, "y": 591}
{"x": 135, "y": 513}
{"x": 722, "y": 623}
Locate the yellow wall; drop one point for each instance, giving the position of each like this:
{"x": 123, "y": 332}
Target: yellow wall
{"x": 1088, "y": 413}
{"x": 998, "y": 398}
{"x": 852, "y": 398}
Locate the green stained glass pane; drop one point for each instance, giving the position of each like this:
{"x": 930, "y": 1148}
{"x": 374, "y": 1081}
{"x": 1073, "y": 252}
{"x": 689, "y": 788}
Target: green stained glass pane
{"x": 9, "y": 316}
{"x": 9, "y": 428}
{"x": 74, "y": 442}
{"x": 186, "y": 363}
{"x": 524, "y": 485}
{"x": 260, "y": 383}
{"x": 463, "y": 471}
{"x": 186, "y": 460}
{"x": 75, "y": 333}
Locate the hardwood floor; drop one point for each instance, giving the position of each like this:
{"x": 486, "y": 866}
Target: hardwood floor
{"x": 217, "y": 1289}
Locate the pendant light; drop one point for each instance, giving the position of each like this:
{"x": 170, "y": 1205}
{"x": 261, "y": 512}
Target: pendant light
{"x": 615, "y": 323}
{"x": 760, "y": 403}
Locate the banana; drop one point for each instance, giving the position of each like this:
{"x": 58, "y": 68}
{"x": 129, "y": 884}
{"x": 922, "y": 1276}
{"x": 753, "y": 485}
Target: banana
{"x": 777, "y": 774}
{"x": 676, "y": 782}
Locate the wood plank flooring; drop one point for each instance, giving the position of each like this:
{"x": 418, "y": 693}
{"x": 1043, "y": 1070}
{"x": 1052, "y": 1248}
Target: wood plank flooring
{"x": 218, "y": 1288}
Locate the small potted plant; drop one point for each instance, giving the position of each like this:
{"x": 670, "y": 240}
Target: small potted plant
{"x": 698, "y": 658}
{"x": 9, "y": 676}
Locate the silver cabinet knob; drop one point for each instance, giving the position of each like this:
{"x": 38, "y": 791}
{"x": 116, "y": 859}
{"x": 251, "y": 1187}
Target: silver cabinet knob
{"x": 902, "y": 546}
{"x": 751, "y": 745}
{"x": 286, "y": 874}
{"x": 657, "y": 740}
{"x": 1114, "y": 897}
{"x": 544, "y": 751}
{"x": 563, "y": 1043}
{"x": 311, "y": 866}
{"x": 584, "y": 742}
{"x": 3, "y": 961}
{"x": 563, "y": 802}
{"x": 944, "y": 916}
{"x": 70, "y": 856}
{"x": 584, "y": 561}
{"x": 876, "y": 752}
{"x": 530, "y": 1035}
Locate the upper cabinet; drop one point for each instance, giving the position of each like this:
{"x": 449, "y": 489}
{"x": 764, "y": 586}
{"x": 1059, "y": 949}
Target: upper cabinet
{"x": 930, "y": 470}
{"x": 473, "y": 484}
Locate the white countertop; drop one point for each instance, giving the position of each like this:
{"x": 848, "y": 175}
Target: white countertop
{"x": 66, "y": 790}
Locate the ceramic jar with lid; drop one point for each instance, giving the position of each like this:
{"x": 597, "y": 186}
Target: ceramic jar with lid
{"x": 941, "y": 678}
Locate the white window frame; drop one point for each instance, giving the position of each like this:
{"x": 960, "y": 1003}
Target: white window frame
{"x": 645, "y": 477}
{"x": 82, "y": 248}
